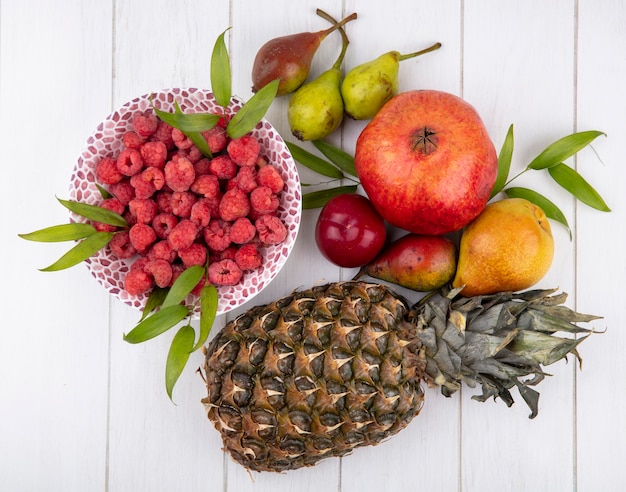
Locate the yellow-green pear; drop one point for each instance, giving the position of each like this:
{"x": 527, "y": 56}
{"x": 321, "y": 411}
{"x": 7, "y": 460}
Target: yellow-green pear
{"x": 367, "y": 87}
{"x": 316, "y": 109}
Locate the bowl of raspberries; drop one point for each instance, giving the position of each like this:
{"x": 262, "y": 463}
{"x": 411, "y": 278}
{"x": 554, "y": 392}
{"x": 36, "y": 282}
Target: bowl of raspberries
{"x": 236, "y": 209}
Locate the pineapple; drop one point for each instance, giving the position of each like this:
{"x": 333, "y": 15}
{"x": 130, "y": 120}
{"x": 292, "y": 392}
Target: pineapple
{"x": 320, "y": 372}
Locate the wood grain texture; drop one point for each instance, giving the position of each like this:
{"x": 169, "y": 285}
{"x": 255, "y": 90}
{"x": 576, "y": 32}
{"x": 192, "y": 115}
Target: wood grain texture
{"x": 82, "y": 410}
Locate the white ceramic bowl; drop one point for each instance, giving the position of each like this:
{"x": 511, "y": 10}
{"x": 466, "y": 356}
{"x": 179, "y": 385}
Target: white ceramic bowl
{"x": 106, "y": 140}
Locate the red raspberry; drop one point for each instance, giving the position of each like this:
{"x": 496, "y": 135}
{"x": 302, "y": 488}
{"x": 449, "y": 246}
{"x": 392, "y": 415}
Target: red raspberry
{"x": 147, "y": 182}
{"x": 216, "y": 138}
{"x": 234, "y": 204}
{"x": 263, "y": 201}
{"x": 137, "y": 282}
{"x": 143, "y": 189}
{"x": 206, "y": 185}
{"x": 162, "y": 250}
{"x": 202, "y": 167}
{"x": 160, "y": 270}
{"x": 271, "y": 229}
{"x": 228, "y": 254}
{"x": 132, "y": 140}
{"x": 130, "y": 218}
{"x": 193, "y": 255}
{"x": 201, "y": 212}
{"x": 177, "y": 269}
{"x": 114, "y": 205}
{"x": 248, "y": 257}
{"x": 123, "y": 191}
{"x": 217, "y": 235}
{"x": 245, "y": 179}
{"x": 225, "y": 272}
{"x": 269, "y": 176}
{"x": 223, "y": 167}
{"x": 129, "y": 162}
{"x": 163, "y": 224}
{"x": 154, "y": 154}
{"x": 121, "y": 246}
{"x": 139, "y": 263}
{"x": 145, "y": 124}
{"x": 144, "y": 210}
{"x": 244, "y": 150}
{"x": 242, "y": 231}
{"x": 142, "y": 236}
{"x": 183, "y": 235}
{"x": 254, "y": 215}
{"x": 163, "y": 134}
{"x": 194, "y": 154}
{"x": 154, "y": 175}
{"x": 181, "y": 140}
{"x": 179, "y": 174}
{"x": 164, "y": 201}
{"x": 182, "y": 203}
{"x": 107, "y": 171}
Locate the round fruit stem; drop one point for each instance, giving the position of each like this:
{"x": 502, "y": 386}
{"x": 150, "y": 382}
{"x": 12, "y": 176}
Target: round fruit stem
{"x": 344, "y": 37}
{"x": 434, "y": 47}
{"x": 338, "y": 25}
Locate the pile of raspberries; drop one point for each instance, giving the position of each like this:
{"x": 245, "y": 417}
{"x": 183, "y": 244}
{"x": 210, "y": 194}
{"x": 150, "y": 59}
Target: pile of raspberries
{"x": 186, "y": 209}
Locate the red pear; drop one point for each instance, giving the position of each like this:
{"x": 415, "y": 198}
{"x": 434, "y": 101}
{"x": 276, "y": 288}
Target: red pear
{"x": 417, "y": 262}
{"x": 288, "y": 58}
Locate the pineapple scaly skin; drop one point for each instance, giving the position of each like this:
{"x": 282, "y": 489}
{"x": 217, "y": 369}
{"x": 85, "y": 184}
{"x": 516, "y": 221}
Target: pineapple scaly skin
{"x": 325, "y": 370}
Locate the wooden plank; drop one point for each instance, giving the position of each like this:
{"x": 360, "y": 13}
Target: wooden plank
{"x": 601, "y": 428}
{"x": 55, "y": 84}
{"x": 433, "y": 436}
{"x": 253, "y": 25}
{"x": 511, "y": 76}
{"x": 155, "y": 444}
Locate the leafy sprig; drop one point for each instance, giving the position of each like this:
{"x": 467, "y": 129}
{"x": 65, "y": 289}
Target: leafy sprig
{"x": 166, "y": 308}
{"x": 551, "y": 159}
{"x": 339, "y": 165}
{"x": 192, "y": 125}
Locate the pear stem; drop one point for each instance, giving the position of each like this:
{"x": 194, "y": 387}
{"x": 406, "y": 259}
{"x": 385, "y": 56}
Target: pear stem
{"x": 338, "y": 25}
{"x": 434, "y": 47}
{"x": 344, "y": 37}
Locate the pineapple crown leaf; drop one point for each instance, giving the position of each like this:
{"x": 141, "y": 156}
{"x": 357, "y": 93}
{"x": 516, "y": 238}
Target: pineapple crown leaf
{"x": 496, "y": 341}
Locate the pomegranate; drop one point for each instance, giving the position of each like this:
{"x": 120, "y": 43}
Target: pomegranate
{"x": 426, "y": 162}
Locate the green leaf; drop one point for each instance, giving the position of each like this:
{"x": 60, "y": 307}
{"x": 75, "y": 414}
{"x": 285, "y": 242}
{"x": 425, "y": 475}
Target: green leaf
{"x": 183, "y": 285}
{"x": 317, "y": 199}
{"x": 504, "y": 163}
{"x": 155, "y": 300}
{"x": 104, "y": 193}
{"x": 188, "y": 122}
{"x": 208, "y": 309}
{"x": 252, "y": 111}
{"x": 573, "y": 182}
{"x": 177, "y": 357}
{"x": 83, "y": 250}
{"x": 314, "y": 162}
{"x": 550, "y": 209}
{"x": 157, "y": 323}
{"x": 340, "y": 158}
{"x": 220, "y": 72}
{"x": 59, "y": 233}
{"x": 199, "y": 141}
{"x": 191, "y": 124}
{"x": 563, "y": 148}
{"x": 95, "y": 213}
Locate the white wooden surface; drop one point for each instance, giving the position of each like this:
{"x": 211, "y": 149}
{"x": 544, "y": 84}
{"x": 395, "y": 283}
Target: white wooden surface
{"x": 81, "y": 410}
